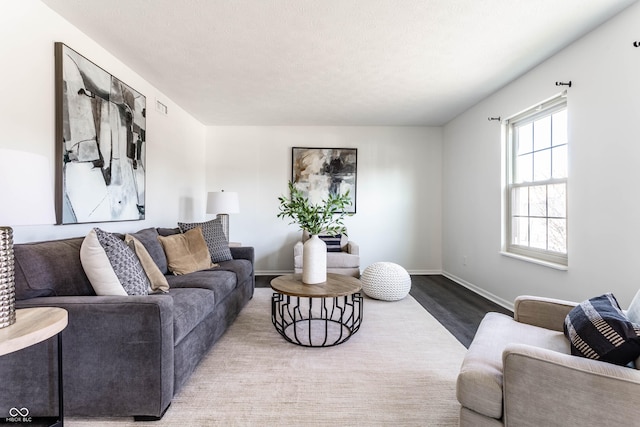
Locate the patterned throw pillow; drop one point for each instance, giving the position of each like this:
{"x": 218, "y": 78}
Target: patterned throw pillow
{"x": 332, "y": 242}
{"x": 111, "y": 266}
{"x": 214, "y": 236}
{"x": 598, "y": 329}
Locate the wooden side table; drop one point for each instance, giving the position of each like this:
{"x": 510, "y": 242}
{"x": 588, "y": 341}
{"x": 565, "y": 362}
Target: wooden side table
{"x": 32, "y": 326}
{"x": 319, "y": 315}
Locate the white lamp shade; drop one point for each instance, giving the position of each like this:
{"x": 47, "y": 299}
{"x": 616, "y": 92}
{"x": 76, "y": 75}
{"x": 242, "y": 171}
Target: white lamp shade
{"x": 223, "y": 202}
{"x": 26, "y": 190}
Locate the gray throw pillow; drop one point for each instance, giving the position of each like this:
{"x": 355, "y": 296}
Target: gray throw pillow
{"x": 149, "y": 239}
{"x": 214, "y": 236}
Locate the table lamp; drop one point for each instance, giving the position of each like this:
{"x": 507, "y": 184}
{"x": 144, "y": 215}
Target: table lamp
{"x": 223, "y": 203}
{"x": 25, "y": 199}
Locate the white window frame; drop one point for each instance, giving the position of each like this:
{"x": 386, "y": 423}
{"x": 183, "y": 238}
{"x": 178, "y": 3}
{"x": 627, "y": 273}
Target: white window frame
{"x": 541, "y": 256}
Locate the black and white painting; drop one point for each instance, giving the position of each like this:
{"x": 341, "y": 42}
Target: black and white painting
{"x": 100, "y": 143}
{"x": 318, "y": 172}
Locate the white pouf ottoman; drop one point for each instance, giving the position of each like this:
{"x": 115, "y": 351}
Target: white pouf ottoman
{"x": 386, "y": 281}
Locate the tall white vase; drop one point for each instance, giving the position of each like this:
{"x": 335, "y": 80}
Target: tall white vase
{"x": 314, "y": 261}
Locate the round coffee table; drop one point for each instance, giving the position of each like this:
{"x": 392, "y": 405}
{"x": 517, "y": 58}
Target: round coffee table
{"x": 320, "y": 315}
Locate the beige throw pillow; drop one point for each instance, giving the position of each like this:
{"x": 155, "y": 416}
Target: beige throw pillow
{"x": 186, "y": 252}
{"x": 156, "y": 278}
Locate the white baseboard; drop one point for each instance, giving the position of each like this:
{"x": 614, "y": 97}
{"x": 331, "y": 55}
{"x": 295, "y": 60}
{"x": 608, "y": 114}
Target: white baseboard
{"x": 424, "y": 272}
{"x": 282, "y": 272}
{"x": 488, "y": 295}
{"x": 273, "y": 272}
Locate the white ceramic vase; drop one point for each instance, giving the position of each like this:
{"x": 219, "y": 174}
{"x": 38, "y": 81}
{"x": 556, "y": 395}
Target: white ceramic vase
{"x": 314, "y": 261}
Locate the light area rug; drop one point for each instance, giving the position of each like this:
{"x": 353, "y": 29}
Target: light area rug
{"x": 399, "y": 369}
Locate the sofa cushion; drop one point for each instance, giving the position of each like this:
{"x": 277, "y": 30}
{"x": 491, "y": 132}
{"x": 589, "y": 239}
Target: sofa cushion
{"x": 186, "y": 252}
{"x": 149, "y": 238}
{"x": 214, "y": 236}
{"x": 156, "y": 277}
{"x": 479, "y": 384}
{"x": 190, "y": 307}
{"x": 599, "y": 330}
{"x": 243, "y": 268}
{"x": 342, "y": 260}
{"x": 112, "y": 267}
{"x": 221, "y": 282}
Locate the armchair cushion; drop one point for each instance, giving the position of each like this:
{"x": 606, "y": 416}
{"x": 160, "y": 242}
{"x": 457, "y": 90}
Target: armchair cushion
{"x": 479, "y": 385}
{"x": 599, "y": 330}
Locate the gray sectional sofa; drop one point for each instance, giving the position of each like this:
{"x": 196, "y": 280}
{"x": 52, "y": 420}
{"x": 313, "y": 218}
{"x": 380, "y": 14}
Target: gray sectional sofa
{"x": 122, "y": 355}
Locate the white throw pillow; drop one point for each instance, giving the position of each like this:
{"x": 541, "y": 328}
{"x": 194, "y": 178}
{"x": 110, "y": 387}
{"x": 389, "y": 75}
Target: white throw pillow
{"x": 633, "y": 313}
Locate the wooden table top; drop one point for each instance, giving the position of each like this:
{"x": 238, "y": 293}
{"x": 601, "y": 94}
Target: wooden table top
{"x": 337, "y": 285}
{"x": 32, "y": 326}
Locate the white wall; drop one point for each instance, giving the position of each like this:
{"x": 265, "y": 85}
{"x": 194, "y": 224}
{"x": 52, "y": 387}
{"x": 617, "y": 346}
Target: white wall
{"x": 175, "y": 150}
{"x": 604, "y": 162}
{"x": 398, "y": 215}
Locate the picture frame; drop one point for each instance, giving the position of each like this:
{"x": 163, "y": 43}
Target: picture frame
{"x": 100, "y": 143}
{"x": 318, "y": 172}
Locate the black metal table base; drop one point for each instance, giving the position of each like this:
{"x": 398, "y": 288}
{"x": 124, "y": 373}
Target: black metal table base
{"x": 316, "y": 322}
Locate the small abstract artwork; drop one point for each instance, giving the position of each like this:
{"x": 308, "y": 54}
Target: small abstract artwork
{"x": 100, "y": 143}
{"x": 318, "y": 172}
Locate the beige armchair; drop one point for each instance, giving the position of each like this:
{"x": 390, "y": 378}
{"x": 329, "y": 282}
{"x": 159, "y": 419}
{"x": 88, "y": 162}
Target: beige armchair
{"x": 345, "y": 262}
{"x": 520, "y": 372}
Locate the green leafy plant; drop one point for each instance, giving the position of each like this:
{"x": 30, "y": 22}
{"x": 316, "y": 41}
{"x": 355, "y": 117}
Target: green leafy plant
{"x": 326, "y": 217}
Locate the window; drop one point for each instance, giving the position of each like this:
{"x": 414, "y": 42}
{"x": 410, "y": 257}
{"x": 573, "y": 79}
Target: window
{"x": 537, "y": 173}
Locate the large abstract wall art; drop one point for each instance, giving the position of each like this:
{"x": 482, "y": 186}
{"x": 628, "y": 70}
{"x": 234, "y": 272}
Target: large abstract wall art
{"x": 318, "y": 172}
{"x": 100, "y": 143}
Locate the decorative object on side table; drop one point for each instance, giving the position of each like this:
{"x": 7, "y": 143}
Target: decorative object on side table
{"x": 24, "y": 184}
{"x": 222, "y": 203}
{"x": 325, "y": 217}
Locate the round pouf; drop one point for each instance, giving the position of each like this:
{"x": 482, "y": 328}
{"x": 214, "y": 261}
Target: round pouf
{"x": 386, "y": 281}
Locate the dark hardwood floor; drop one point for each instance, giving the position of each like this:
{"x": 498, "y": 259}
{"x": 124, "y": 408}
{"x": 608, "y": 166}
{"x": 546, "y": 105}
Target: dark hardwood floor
{"x": 457, "y": 308}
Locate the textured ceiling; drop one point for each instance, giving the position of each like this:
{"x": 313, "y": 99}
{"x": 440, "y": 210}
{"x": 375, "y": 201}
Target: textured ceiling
{"x": 332, "y": 62}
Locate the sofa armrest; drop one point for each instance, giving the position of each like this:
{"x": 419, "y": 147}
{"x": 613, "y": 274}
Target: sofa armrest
{"x": 243, "y": 252}
{"x": 118, "y": 355}
{"x": 353, "y": 248}
{"x": 543, "y": 387}
{"x": 546, "y": 313}
{"x": 297, "y": 249}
